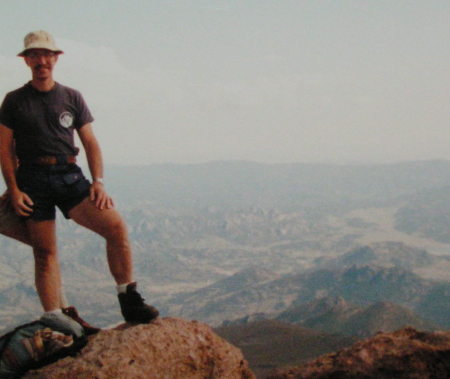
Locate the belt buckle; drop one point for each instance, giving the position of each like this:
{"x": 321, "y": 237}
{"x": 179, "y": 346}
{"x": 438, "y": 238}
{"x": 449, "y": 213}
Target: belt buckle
{"x": 60, "y": 159}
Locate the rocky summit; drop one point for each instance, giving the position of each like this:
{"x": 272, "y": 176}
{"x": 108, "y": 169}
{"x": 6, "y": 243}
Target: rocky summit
{"x": 166, "y": 348}
{"x": 406, "y": 353}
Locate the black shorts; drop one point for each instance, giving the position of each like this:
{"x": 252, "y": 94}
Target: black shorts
{"x": 63, "y": 186}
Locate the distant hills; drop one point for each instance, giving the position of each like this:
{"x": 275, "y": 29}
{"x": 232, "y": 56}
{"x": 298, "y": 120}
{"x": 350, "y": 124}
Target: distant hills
{"x": 335, "y": 315}
{"x": 227, "y": 240}
{"x": 385, "y": 254}
{"x": 362, "y": 286}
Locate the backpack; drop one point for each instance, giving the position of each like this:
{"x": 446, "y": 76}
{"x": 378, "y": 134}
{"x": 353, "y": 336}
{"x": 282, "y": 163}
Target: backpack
{"x": 34, "y": 345}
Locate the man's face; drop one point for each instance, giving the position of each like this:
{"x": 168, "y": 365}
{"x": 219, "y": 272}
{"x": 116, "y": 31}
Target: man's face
{"x": 41, "y": 63}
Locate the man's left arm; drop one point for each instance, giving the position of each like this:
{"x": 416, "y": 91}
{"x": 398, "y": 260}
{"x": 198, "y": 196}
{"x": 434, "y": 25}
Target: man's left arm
{"x": 95, "y": 162}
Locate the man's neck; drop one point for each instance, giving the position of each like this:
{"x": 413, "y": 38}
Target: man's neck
{"x": 43, "y": 85}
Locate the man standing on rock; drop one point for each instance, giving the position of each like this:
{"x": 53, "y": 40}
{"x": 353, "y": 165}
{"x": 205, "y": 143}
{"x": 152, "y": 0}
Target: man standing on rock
{"x": 37, "y": 124}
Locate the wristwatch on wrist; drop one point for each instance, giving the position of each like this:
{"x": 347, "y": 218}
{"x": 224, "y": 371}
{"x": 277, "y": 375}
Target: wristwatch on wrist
{"x": 98, "y": 180}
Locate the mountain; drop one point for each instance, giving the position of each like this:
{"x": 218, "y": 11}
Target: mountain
{"x": 327, "y": 313}
{"x": 383, "y": 317}
{"x": 270, "y": 344}
{"x": 365, "y": 285}
{"x": 362, "y": 286}
{"x": 368, "y": 284}
{"x": 231, "y": 297}
{"x": 388, "y": 254}
{"x": 335, "y": 315}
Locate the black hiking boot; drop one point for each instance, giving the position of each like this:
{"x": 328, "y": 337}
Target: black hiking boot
{"x": 73, "y": 314}
{"x": 134, "y": 309}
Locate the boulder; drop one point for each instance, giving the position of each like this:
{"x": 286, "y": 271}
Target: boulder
{"x": 167, "y": 348}
{"x": 406, "y": 353}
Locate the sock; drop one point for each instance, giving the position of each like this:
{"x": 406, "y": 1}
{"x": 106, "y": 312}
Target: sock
{"x": 122, "y": 288}
{"x": 56, "y": 311}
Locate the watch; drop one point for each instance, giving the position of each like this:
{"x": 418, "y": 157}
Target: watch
{"x": 99, "y": 180}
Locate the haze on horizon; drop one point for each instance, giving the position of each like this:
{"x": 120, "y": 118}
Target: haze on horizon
{"x": 354, "y": 81}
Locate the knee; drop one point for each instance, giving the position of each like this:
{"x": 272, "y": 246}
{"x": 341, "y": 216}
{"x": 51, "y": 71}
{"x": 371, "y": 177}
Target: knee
{"x": 116, "y": 231}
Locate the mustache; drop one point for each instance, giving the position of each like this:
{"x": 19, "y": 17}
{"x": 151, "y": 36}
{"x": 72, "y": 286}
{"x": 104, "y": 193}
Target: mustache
{"x": 39, "y": 66}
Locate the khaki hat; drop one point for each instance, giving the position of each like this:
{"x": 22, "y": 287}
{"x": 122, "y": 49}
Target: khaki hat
{"x": 39, "y": 40}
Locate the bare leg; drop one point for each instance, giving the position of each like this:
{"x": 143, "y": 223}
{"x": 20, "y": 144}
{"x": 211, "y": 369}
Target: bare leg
{"x": 47, "y": 274}
{"x": 109, "y": 224}
{"x": 12, "y": 225}
{"x": 18, "y": 232}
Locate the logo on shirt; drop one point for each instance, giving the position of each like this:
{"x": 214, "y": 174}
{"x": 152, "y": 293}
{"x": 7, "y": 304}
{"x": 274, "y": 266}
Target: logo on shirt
{"x": 66, "y": 119}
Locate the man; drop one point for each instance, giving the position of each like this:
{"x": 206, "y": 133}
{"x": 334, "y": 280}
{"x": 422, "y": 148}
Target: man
{"x": 37, "y": 124}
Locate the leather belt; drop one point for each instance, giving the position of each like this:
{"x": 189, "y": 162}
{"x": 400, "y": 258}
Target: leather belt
{"x": 51, "y": 160}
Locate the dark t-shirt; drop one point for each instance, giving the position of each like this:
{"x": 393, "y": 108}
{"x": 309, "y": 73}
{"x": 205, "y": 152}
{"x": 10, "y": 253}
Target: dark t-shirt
{"x": 43, "y": 122}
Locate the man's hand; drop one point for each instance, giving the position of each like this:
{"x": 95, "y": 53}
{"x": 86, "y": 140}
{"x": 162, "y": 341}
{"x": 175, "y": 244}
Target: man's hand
{"x": 21, "y": 203}
{"x": 100, "y": 197}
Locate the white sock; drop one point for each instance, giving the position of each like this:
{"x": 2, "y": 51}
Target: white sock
{"x": 56, "y": 311}
{"x": 122, "y": 288}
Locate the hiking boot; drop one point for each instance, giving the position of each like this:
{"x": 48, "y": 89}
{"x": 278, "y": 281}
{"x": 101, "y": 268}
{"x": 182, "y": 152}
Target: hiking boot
{"x": 73, "y": 314}
{"x": 62, "y": 323}
{"x": 133, "y": 307}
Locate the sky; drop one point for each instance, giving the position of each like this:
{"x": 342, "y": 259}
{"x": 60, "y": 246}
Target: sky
{"x": 271, "y": 81}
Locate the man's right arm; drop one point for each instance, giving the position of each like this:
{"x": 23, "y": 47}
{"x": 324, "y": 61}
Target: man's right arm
{"x": 20, "y": 201}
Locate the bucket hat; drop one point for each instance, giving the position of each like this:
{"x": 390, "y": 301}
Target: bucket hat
{"x": 39, "y": 40}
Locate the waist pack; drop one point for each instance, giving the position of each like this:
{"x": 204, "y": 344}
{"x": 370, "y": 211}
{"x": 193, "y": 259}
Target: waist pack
{"x": 34, "y": 345}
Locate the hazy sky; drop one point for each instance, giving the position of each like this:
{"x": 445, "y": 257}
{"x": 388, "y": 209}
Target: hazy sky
{"x": 271, "y": 81}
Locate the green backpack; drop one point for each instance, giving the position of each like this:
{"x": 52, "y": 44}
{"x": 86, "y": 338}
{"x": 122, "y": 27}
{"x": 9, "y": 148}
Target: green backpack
{"x": 34, "y": 345}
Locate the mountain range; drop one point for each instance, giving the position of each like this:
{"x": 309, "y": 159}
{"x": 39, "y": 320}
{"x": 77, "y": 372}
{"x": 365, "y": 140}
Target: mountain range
{"x": 225, "y": 240}
{"x": 362, "y": 286}
{"x": 335, "y": 315}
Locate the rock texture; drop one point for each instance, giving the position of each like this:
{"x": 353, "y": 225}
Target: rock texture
{"x": 406, "y": 353}
{"x": 168, "y": 348}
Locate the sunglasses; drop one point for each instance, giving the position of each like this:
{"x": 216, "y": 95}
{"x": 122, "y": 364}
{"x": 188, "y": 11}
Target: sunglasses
{"x": 39, "y": 54}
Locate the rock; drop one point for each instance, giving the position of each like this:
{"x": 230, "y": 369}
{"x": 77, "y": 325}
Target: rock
{"x": 167, "y": 348}
{"x": 406, "y": 353}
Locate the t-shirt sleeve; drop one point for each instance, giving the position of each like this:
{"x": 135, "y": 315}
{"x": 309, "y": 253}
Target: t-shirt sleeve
{"x": 6, "y": 112}
{"x": 84, "y": 114}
